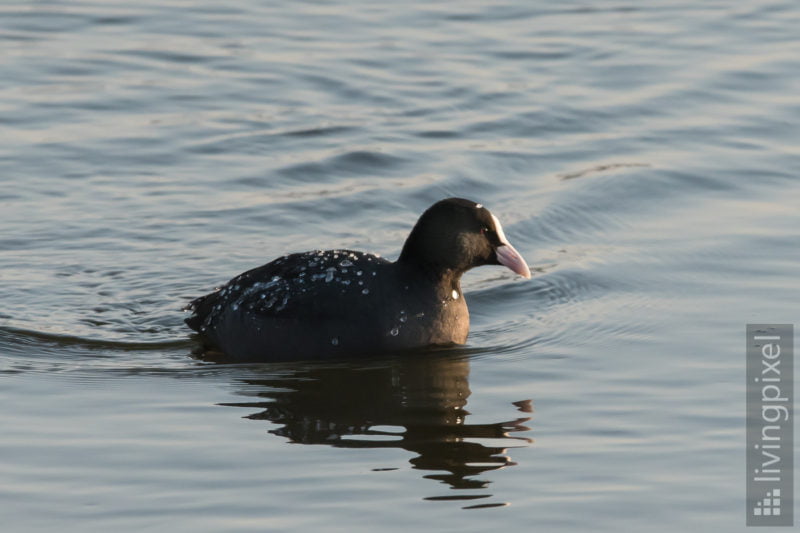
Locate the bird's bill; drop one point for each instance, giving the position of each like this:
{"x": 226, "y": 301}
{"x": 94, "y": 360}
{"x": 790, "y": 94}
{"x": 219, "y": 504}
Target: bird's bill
{"x": 510, "y": 258}
{"x": 507, "y": 255}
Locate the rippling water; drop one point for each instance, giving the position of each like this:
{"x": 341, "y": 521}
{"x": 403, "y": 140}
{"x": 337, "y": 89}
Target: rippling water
{"x": 643, "y": 158}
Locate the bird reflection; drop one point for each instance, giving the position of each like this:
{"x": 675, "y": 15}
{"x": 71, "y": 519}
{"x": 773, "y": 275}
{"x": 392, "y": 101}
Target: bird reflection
{"x": 413, "y": 402}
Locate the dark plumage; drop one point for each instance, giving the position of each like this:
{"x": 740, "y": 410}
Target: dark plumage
{"x": 336, "y": 303}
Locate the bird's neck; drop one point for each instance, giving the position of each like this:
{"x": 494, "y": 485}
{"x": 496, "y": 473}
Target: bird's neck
{"x": 433, "y": 259}
{"x": 441, "y": 277}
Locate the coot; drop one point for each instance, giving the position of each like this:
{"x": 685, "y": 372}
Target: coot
{"x": 337, "y": 303}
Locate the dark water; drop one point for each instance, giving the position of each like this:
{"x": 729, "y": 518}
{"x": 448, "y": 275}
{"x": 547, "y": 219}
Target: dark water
{"x": 643, "y": 157}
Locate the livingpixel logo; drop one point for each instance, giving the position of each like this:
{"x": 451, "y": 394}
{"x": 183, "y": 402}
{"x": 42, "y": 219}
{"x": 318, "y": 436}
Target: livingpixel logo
{"x": 770, "y": 425}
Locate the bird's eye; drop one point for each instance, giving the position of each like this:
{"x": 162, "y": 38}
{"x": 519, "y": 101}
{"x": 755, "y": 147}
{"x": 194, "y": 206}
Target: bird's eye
{"x": 484, "y": 230}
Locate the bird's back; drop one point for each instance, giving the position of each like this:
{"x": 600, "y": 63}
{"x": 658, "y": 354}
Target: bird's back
{"x": 324, "y": 304}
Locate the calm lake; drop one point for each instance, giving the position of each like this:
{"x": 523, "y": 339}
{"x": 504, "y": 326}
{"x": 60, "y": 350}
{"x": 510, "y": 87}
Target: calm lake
{"x": 643, "y": 158}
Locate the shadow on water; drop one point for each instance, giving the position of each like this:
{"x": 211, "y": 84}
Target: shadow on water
{"x": 417, "y": 403}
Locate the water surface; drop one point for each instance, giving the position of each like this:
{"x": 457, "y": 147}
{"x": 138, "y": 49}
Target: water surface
{"x": 643, "y": 158}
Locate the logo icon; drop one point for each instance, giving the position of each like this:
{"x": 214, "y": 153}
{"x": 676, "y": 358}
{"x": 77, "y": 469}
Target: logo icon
{"x": 770, "y": 505}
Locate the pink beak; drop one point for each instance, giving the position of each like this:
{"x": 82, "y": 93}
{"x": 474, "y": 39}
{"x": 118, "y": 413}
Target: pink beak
{"x": 510, "y": 258}
{"x": 507, "y": 255}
